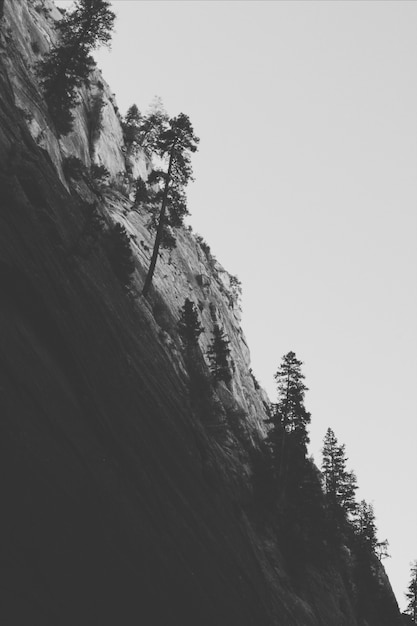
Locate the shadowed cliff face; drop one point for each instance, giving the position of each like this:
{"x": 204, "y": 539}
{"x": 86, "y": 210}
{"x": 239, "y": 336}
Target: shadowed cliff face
{"x": 127, "y": 497}
{"x": 107, "y": 516}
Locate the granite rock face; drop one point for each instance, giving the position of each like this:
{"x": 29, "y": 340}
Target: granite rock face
{"x": 128, "y": 474}
{"x": 29, "y": 31}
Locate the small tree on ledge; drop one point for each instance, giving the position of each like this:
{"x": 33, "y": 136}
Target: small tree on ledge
{"x": 189, "y": 325}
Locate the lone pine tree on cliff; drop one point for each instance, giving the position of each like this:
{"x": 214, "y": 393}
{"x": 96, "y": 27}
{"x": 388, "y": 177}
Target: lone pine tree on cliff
{"x": 175, "y": 145}
{"x": 68, "y": 63}
{"x": 290, "y": 417}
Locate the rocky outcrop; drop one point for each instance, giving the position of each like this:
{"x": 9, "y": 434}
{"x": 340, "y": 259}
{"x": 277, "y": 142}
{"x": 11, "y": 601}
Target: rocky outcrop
{"x": 128, "y": 475}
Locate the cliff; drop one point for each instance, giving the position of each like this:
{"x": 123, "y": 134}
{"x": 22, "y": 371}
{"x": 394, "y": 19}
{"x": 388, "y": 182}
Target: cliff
{"x": 129, "y": 480}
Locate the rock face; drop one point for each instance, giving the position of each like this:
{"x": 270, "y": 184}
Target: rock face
{"x": 128, "y": 477}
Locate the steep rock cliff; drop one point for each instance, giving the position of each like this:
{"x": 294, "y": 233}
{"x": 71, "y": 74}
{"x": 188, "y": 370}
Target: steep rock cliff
{"x": 128, "y": 497}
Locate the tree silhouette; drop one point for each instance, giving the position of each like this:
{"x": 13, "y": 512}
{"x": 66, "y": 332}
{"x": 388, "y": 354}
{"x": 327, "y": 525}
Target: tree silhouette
{"x": 144, "y": 130}
{"x": 189, "y": 325}
{"x": 174, "y": 146}
{"x": 365, "y": 529}
{"x": 339, "y": 484}
{"x": 68, "y": 63}
{"x": 291, "y": 390}
{"x": 131, "y": 124}
{"x": 411, "y": 594}
{"x": 218, "y": 353}
{"x": 288, "y": 436}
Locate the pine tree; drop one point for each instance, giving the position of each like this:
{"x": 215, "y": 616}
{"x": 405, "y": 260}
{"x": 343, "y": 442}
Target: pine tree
{"x": 218, "y": 354}
{"x": 291, "y": 390}
{"x": 411, "y": 594}
{"x": 67, "y": 65}
{"x": 131, "y": 124}
{"x": 174, "y": 145}
{"x": 144, "y": 130}
{"x": 339, "y": 484}
{"x": 299, "y": 497}
{"x": 365, "y": 529}
{"x": 288, "y": 438}
{"x": 189, "y": 325}
{"x": 289, "y": 417}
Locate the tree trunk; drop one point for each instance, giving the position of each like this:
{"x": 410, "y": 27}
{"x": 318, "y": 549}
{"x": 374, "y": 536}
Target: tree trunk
{"x": 160, "y": 229}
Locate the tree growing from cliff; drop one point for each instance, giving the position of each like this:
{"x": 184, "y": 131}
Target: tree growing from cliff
{"x": 411, "y": 594}
{"x": 144, "y": 130}
{"x": 141, "y": 191}
{"x": 174, "y": 146}
{"x": 339, "y": 484}
{"x": 189, "y": 325}
{"x": 131, "y": 124}
{"x": 289, "y": 418}
{"x": 218, "y": 353}
{"x": 365, "y": 530}
{"x": 67, "y": 65}
{"x": 298, "y": 491}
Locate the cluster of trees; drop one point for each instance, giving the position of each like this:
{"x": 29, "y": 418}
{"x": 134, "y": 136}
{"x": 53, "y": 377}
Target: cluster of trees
{"x": 339, "y": 486}
{"x": 69, "y": 62}
{"x": 314, "y": 507}
{"x": 171, "y": 141}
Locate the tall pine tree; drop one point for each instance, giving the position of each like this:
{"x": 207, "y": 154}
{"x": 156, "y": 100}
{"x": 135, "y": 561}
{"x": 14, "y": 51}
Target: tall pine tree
{"x": 174, "y": 145}
{"x": 365, "y": 530}
{"x": 339, "y": 484}
{"x": 299, "y": 498}
{"x": 288, "y": 435}
{"x": 289, "y": 416}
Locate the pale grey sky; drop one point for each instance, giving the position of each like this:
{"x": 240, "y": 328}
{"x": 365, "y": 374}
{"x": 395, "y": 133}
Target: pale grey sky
{"x": 306, "y": 189}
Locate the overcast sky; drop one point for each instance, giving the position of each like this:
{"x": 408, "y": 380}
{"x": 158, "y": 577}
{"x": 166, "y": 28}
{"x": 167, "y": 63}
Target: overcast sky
{"x": 306, "y": 189}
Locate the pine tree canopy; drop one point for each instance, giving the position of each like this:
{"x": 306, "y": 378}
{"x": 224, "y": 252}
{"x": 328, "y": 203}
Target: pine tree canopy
{"x": 365, "y": 527}
{"x": 89, "y": 25}
{"x": 290, "y": 409}
{"x": 339, "y": 484}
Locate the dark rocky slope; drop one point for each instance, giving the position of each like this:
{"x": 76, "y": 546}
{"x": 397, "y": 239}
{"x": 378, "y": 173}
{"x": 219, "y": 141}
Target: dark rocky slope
{"x": 126, "y": 497}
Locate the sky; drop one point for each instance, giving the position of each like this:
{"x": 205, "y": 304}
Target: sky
{"x": 306, "y": 190}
